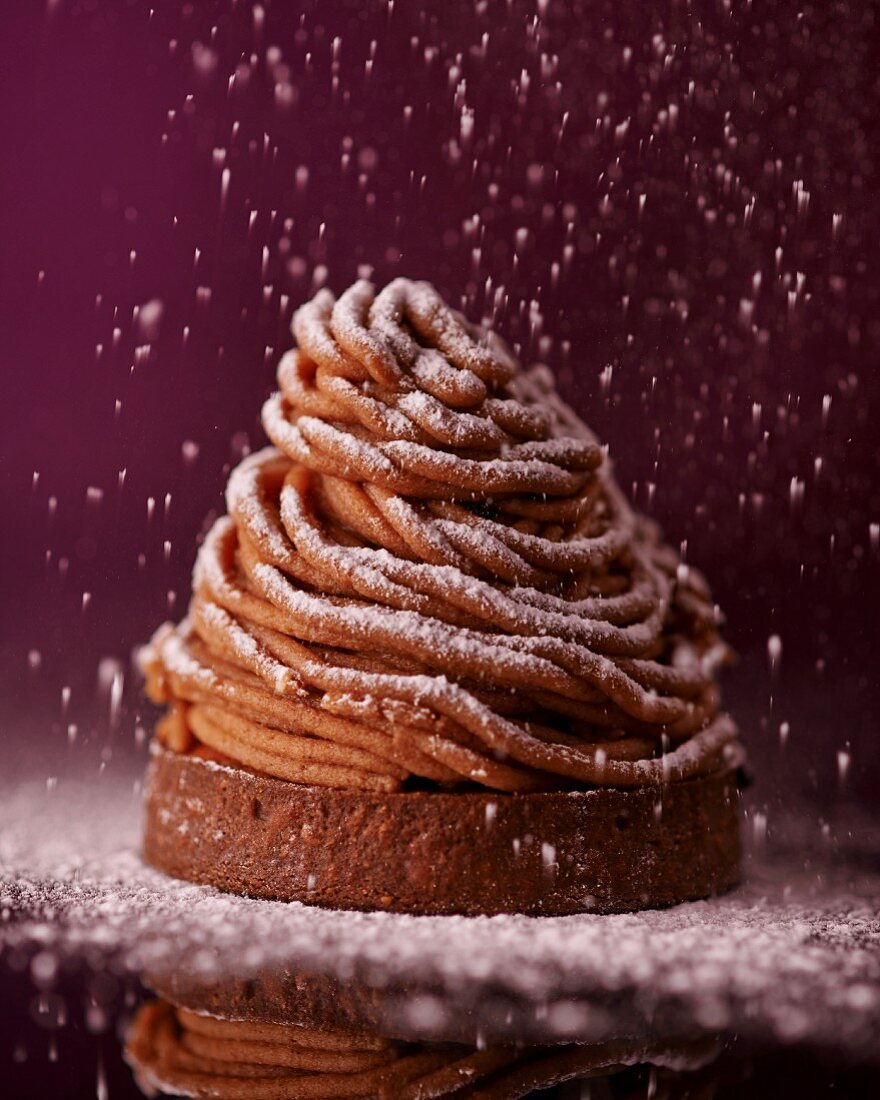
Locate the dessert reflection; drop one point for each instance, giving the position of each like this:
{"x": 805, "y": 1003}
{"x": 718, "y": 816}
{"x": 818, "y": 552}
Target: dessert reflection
{"x": 291, "y": 1034}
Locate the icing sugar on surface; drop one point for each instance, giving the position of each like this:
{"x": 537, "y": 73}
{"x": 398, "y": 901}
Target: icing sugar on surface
{"x": 792, "y": 954}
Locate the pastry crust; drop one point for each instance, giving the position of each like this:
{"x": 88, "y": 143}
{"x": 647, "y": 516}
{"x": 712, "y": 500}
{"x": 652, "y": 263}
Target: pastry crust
{"x": 476, "y": 852}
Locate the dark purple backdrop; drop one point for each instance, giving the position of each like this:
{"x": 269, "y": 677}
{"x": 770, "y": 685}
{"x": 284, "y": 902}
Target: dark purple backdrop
{"x": 676, "y": 207}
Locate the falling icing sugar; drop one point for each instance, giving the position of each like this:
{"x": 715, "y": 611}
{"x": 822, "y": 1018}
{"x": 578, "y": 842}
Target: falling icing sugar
{"x": 774, "y": 651}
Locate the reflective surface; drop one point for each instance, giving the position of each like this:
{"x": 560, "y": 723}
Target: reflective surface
{"x": 296, "y": 1034}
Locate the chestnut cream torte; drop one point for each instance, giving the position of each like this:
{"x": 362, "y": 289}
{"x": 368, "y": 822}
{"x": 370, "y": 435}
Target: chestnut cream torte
{"x": 433, "y": 661}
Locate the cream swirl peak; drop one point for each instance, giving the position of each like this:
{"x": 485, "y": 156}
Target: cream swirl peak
{"x": 433, "y": 576}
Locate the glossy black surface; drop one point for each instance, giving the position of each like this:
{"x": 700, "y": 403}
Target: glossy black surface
{"x": 70, "y": 1044}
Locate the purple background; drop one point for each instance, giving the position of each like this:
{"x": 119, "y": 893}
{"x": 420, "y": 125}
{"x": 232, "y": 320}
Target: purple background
{"x": 623, "y": 170}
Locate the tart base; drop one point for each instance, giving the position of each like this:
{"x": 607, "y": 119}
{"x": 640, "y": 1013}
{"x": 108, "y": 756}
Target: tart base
{"x": 473, "y": 853}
